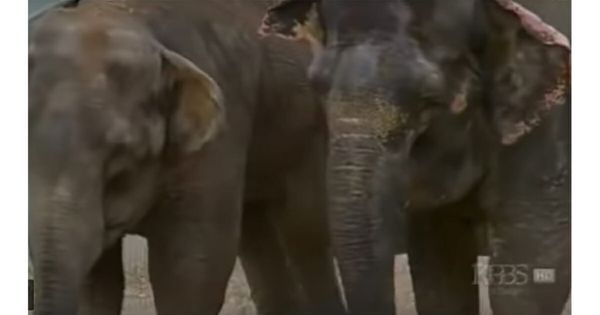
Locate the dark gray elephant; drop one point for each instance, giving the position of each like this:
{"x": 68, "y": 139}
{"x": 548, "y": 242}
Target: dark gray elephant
{"x": 170, "y": 119}
{"x": 457, "y": 114}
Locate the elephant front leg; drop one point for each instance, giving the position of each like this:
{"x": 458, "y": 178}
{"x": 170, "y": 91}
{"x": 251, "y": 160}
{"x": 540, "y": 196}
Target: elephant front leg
{"x": 442, "y": 250}
{"x": 274, "y": 289}
{"x": 190, "y": 269}
{"x": 103, "y": 288}
{"x": 305, "y": 237}
{"x": 301, "y": 216}
{"x": 192, "y": 247}
{"x": 536, "y": 236}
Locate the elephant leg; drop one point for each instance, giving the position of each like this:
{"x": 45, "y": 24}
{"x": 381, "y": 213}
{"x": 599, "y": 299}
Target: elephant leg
{"x": 302, "y": 220}
{"x": 190, "y": 265}
{"x": 192, "y": 246}
{"x": 194, "y": 229}
{"x": 442, "y": 251}
{"x": 274, "y": 290}
{"x": 104, "y": 286}
{"x": 537, "y": 237}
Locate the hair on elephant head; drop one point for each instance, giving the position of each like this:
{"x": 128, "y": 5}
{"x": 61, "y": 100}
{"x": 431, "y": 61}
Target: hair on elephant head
{"x": 106, "y": 102}
{"x": 417, "y": 92}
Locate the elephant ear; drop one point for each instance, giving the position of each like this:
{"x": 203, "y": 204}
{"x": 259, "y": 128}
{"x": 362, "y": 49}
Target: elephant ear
{"x": 199, "y": 112}
{"x": 294, "y": 20}
{"x": 530, "y": 68}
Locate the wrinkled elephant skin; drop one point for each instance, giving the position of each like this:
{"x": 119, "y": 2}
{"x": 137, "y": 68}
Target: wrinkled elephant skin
{"x": 172, "y": 120}
{"x": 455, "y": 114}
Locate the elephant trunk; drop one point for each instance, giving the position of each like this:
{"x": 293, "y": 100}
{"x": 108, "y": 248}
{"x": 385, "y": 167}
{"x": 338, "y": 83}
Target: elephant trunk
{"x": 65, "y": 241}
{"x": 354, "y": 160}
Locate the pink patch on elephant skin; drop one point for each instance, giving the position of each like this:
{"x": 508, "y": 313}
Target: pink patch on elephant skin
{"x": 535, "y": 26}
{"x": 555, "y": 95}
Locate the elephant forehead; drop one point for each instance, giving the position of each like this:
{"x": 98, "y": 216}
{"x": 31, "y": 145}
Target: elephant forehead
{"x": 95, "y": 40}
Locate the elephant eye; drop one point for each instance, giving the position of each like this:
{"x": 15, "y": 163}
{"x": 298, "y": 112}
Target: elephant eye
{"x": 119, "y": 73}
{"x": 117, "y": 165}
{"x": 118, "y": 174}
{"x": 432, "y": 96}
{"x": 120, "y": 163}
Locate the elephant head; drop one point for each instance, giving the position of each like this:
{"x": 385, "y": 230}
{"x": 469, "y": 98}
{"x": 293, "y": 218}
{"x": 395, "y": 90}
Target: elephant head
{"x": 404, "y": 82}
{"x": 107, "y": 104}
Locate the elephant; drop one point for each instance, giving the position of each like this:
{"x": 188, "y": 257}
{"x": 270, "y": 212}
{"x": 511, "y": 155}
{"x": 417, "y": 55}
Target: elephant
{"x": 173, "y": 121}
{"x": 455, "y": 114}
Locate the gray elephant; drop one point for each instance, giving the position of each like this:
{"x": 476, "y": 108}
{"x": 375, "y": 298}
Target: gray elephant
{"x": 457, "y": 114}
{"x": 170, "y": 119}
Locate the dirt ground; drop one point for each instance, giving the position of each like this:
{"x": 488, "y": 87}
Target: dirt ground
{"x": 139, "y": 299}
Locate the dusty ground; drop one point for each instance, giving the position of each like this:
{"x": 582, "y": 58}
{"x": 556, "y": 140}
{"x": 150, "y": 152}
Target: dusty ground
{"x": 139, "y": 300}
{"x": 139, "y": 295}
